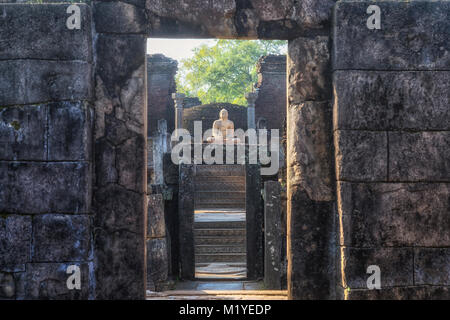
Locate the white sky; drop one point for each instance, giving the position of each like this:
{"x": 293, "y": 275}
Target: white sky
{"x": 175, "y": 48}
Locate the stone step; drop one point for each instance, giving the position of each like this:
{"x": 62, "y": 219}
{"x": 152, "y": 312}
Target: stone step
{"x": 220, "y": 170}
{"x": 217, "y": 257}
{"x": 219, "y": 232}
{"x": 213, "y": 179}
{"x": 202, "y": 249}
{"x": 225, "y": 195}
{"x": 224, "y": 205}
{"x": 220, "y": 225}
{"x": 220, "y": 187}
{"x": 212, "y": 240}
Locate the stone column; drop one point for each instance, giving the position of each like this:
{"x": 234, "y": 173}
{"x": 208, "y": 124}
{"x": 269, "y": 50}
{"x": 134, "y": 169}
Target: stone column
{"x": 179, "y": 99}
{"x": 251, "y": 99}
{"x": 186, "y": 221}
{"x": 310, "y": 178}
{"x": 273, "y": 236}
{"x": 255, "y": 221}
{"x": 120, "y": 191}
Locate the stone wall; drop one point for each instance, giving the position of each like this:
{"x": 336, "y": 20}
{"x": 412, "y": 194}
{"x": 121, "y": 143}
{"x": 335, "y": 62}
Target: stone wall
{"x": 161, "y": 73}
{"x": 46, "y": 122}
{"x": 391, "y": 122}
{"x": 271, "y": 102}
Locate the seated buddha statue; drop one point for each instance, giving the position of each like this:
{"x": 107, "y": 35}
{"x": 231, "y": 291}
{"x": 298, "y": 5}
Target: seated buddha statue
{"x": 223, "y": 130}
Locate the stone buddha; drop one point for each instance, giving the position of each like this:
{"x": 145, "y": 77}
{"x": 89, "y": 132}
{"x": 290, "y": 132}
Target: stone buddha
{"x": 223, "y": 129}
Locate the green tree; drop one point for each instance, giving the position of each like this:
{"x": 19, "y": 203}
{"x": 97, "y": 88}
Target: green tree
{"x": 225, "y": 71}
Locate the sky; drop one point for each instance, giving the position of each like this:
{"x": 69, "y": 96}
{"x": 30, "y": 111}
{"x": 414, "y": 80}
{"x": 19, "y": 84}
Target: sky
{"x": 177, "y": 49}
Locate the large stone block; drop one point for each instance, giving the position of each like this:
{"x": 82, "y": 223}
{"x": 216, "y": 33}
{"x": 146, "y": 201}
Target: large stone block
{"x": 70, "y": 126}
{"x": 413, "y": 36}
{"x": 372, "y": 100}
{"x": 310, "y": 156}
{"x": 61, "y": 238}
{"x": 311, "y": 247}
{"x": 309, "y": 70}
{"x": 394, "y": 214}
{"x": 36, "y": 81}
{"x": 38, "y": 187}
{"x": 396, "y": 266}
{"x": 420, "y": 156}
{"x": 119, "y": 17}
{"x": 157, "y": 263}
{"x": 49, "y": 281}
{"x": 121, "y": 264}
{"x": 432, "y": 266}
{"x": 15, "y": 242}
{"x": 361, "y": 155}
{"x": 23, "y": 133}
{"x": 156, "y": 223}
{"x": 194, "y": 18}
{"x": 40, "y": 32}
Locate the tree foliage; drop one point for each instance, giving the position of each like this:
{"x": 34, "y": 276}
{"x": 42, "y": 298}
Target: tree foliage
{"x": 225, "y": 71}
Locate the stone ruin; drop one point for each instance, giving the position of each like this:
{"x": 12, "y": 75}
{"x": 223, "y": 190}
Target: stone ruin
{"x": 367, "y": 145}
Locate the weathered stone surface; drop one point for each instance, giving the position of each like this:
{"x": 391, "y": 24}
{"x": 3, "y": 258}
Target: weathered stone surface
{"x": 313, "y": 14}
{"x": 23, "y": 133}
{"x": 421, "y": 156}
{"x": 413, "y": 36}
{"x": 192, "y": 18}
{"x": 130, "y": 164}
{"x": 432, "y": 266}
{"x": 394, "y": 214}
{"x": 396, "y": 266}
{"x": 156, "y": 223}
{"x": 161, "y": 85}
{"x": 265, "y": 19}
{"x": 309, "y": 65}
{"x": 70, "y": 126}
{"x": 119, "y": 17}
{"x": 120, "y": 89}
{"x": 61, "y": 238}
{"x": 157, "y": 262}
{"x": 40, "y": 32}
{"x": 36, "y": 81}
{"x": 105, "y": 163}
{"x": 401, "y": 293}
{"x": 15, "y": 242}
{"x": 310, "y": 149}
{"x": 49, "y": 281}
{"x": 271, "y": 102}
{"x": 274, "y": 235}
{"x": 311, "y": 247}
{"x": 38, "y": 187}
{"x": 186, "y": 209}
{"x": 119, "y": 243}
{"x": 391, "y": 100}
{"x": 361, "y": 155}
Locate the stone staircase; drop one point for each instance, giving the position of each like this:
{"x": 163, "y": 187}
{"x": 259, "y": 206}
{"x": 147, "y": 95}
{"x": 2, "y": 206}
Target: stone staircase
{"x": 220, "y": 236}
{"x": 220, "y": 186}
{"x": 220, "y": 241}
